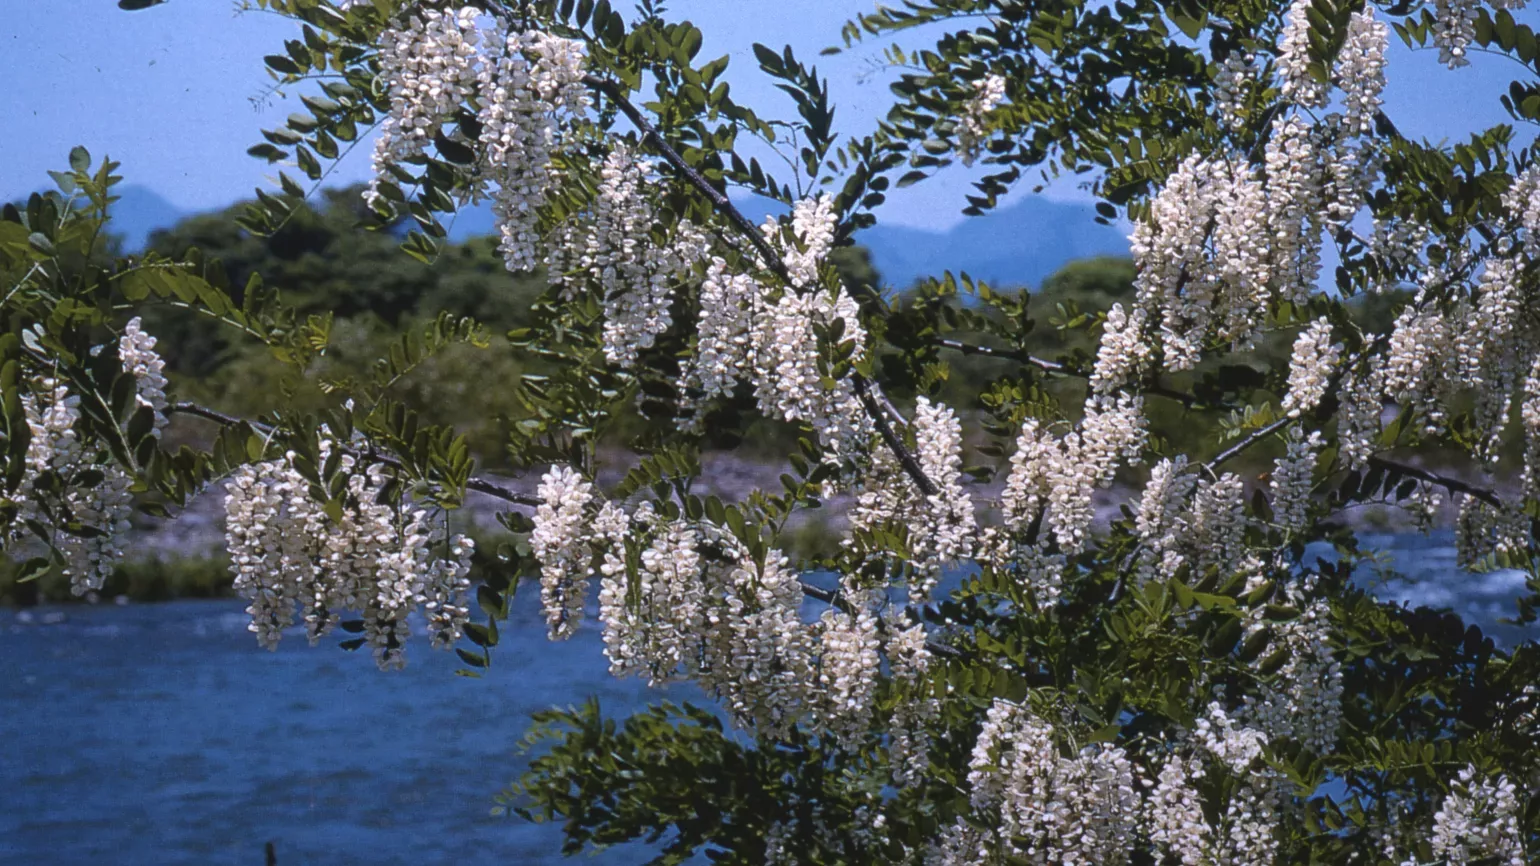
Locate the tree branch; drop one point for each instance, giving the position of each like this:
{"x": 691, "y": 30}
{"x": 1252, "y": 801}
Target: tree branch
{"x": 1453, "y": 485}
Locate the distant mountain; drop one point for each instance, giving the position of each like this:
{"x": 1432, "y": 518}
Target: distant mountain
{"x": 140, "y": 211}
{"x": 1012, "y": 246}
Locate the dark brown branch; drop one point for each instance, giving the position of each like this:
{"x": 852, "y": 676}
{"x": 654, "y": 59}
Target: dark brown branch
{"x": 1242, "y": 446}
{"x": 896, "y": 445}
{"x": 1453, "y": 485}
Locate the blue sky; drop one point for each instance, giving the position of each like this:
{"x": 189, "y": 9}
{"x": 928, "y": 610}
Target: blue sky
{"x": 177, "y": 93}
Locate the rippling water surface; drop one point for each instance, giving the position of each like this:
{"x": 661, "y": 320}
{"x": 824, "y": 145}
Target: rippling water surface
{"x": 160, "y": 734}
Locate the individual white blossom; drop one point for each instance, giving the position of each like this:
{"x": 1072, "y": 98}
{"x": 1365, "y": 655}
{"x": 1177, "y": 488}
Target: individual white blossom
{"x": 1479, "y": 822}
{"x": 972, "y": 127}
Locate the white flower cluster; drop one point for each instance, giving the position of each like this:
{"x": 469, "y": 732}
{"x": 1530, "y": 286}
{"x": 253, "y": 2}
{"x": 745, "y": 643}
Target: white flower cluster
{"x": 1303, "y": 699}
{"x": 559, "y": 542}
{"x": 1173, "y": 814}
{"x": 136, "y": 350}
{"x": 1529, "y": 414}
{"x": 942, "y": 531}
{"x": 1052, "y": 809}
{"x": 1413, "y": 373}
{"x": 1202, "y": 257}
{"x": 1479, "y": 822}
{"x": 1299, "y": 86}
{"x": 1293, "y": 478}
{"x": 1233, "y": 81}
{"x": 813, "y": 221}
{"x": 1295, "y": 202}
{"x": 1055, "y": 479}
{"x": 849, "y": 665}
{"x": 745, "y": 332}
{"x": 1454, "y": 26}
{"x": 908, "y": 740}
{"x": 682, "y": 599}
{"x": 1360, "y": 70}
{"x": 612, "y": 248}
{"x": 1124, "y": 352}
{"x": 428, "y": 67}
{"x": 1484, "y": 529}
{"x": 83, "y": 484}
{"x": 288, "y": 555}
{"x": 522, "y": 84}
{"x": 1310, "y": 369}
{"x": 1161, "y": 520}
{"x": 530, "y": 83}
{"x": 972, "y": 127}
{"x": 1523, "y": 200}
{"x": 1217, "y": 526}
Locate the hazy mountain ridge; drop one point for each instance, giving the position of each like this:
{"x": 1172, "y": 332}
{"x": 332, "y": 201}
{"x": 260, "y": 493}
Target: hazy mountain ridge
{"x": 1014, "y": 245}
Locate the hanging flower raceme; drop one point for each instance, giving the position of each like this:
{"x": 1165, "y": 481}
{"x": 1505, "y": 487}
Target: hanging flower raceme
{"x": 1299, "y": 86}
{"x": 611, "y": 248}
{"x": 560, "y": 544}
{"x": 1293, "y": 477}
{"x": 429, "y": 66}
{"x": 289, "y": 556}
{"x": 972, "y": 126}
{"x": 1051, "y": 809}
{"x": 1479, "y": 821}
{"x": 1310, "y": 368}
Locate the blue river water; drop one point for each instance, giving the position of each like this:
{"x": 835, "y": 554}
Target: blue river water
{"x": 161, "y": 734}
